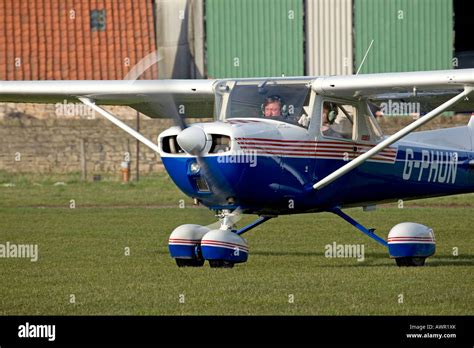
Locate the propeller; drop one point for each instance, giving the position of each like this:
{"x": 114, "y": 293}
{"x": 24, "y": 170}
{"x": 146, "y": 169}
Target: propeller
{"x": 193, "y": 140}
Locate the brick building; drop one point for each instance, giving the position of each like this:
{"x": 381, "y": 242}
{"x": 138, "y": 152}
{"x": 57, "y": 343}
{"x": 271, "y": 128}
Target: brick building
{"x": 75, "y": 39}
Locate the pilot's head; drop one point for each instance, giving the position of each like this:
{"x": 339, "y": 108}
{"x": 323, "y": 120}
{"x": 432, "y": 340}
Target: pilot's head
{"x": 272, "y": 106}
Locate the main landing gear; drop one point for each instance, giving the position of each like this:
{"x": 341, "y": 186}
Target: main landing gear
{"x": 408, "y": 243}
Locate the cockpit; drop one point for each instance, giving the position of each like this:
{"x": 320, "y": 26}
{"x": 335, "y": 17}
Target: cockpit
{"x": 288, "y": 102}
{"x": 292, "y": 101}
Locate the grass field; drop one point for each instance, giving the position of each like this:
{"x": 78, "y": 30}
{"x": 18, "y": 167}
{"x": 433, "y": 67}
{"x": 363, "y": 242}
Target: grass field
{"x": 82, "y": 253}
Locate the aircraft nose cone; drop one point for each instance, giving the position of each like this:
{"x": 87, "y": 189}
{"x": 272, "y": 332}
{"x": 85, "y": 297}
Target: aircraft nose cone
{"x": 192, "y": 140}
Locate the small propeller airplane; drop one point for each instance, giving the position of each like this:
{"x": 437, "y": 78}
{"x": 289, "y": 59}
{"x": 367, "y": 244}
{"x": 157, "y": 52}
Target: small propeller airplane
{"x": 290, "y": 145}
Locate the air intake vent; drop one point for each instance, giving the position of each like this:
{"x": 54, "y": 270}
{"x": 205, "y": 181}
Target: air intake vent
{"x": 220, "y": 143}
{"x": 202, "y": 185}
{"x": 170, "y": 145}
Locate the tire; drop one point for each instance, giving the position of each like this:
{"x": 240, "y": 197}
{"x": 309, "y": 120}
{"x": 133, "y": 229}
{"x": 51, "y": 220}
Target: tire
{"x": 220, "y": 264}
{"x": 410, "y": 261}
{"x": 190, "y": 262}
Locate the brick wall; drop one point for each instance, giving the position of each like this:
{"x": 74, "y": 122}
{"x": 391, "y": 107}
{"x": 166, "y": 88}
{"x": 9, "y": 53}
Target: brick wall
{"x": 54, "y": 145}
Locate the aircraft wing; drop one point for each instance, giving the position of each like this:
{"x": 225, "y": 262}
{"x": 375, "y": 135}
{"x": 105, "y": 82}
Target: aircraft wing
{"x": 151, "y": 97}
{"x": 429, "y": 88}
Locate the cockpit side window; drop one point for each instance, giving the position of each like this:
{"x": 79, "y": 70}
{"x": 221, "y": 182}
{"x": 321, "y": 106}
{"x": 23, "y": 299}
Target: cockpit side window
{"x": 337, "y": 120}
{"x": 305, "y": 117}
{"x": 368, "y": 128}
{"x": 375, "y": 113}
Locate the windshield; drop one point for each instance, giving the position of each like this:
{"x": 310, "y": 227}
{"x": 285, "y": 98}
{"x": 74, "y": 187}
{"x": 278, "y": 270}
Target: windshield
{"x": 286, "y": 103}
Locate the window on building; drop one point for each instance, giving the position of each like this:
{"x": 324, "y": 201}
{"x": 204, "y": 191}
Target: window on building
{"x": 98, "y": 20}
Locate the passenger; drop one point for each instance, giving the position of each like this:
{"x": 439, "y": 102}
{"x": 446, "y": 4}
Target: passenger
{"x": 375, "y": 110}
{"x": 328, "y": 117}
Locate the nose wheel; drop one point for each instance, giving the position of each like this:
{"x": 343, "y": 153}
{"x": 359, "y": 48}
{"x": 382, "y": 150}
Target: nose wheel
{"x": 189, "y": 262}
{"x": 221, "y": 264}
{"x": 190, "y": 245}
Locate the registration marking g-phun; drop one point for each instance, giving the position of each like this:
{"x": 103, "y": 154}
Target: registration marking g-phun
{"x": 434, "y": 166}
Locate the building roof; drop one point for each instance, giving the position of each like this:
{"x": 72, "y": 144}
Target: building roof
{"x": 75, "y": 39}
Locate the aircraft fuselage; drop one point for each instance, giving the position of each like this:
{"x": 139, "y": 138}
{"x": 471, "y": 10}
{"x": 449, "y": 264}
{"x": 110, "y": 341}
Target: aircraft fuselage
{"x": 269, "y": 168}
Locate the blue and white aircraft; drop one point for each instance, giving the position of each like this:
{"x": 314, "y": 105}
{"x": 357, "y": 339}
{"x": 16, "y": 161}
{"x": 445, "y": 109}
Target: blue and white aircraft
{"x": 291, "y": 145}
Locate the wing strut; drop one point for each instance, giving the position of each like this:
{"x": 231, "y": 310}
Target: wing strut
{"x": 120, "y": 124}
{"x": 390, "y": 140}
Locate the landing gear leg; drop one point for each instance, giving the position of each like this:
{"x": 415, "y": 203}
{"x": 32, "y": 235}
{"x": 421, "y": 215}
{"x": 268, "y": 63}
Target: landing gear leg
{"x": 368, "y": 232}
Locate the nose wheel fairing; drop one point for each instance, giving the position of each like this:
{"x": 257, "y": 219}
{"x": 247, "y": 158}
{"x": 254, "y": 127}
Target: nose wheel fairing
{"x": 191, "y": 245}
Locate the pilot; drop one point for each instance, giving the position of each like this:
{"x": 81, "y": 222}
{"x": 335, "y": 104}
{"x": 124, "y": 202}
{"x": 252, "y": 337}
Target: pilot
{"x": 272, "y": 106}
{"x": 275, "y": 108}
{"x": 328, "y": 117}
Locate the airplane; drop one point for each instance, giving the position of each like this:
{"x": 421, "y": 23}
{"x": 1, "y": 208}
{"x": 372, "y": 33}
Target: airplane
{"x": 321, "y": 151}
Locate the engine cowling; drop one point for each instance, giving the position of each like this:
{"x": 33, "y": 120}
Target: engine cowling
{"x": 409, "y": 240}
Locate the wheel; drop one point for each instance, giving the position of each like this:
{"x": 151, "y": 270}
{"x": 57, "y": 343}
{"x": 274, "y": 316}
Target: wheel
{"x": 190, "y": 262}
{"x": 418, "y": 261}
{"x": 221, "y": 264}
{"x": 410, "y": 261}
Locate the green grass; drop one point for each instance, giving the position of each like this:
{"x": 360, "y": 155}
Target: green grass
{"x": 81, "y": 252}
{"x": 29, "y": 190}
